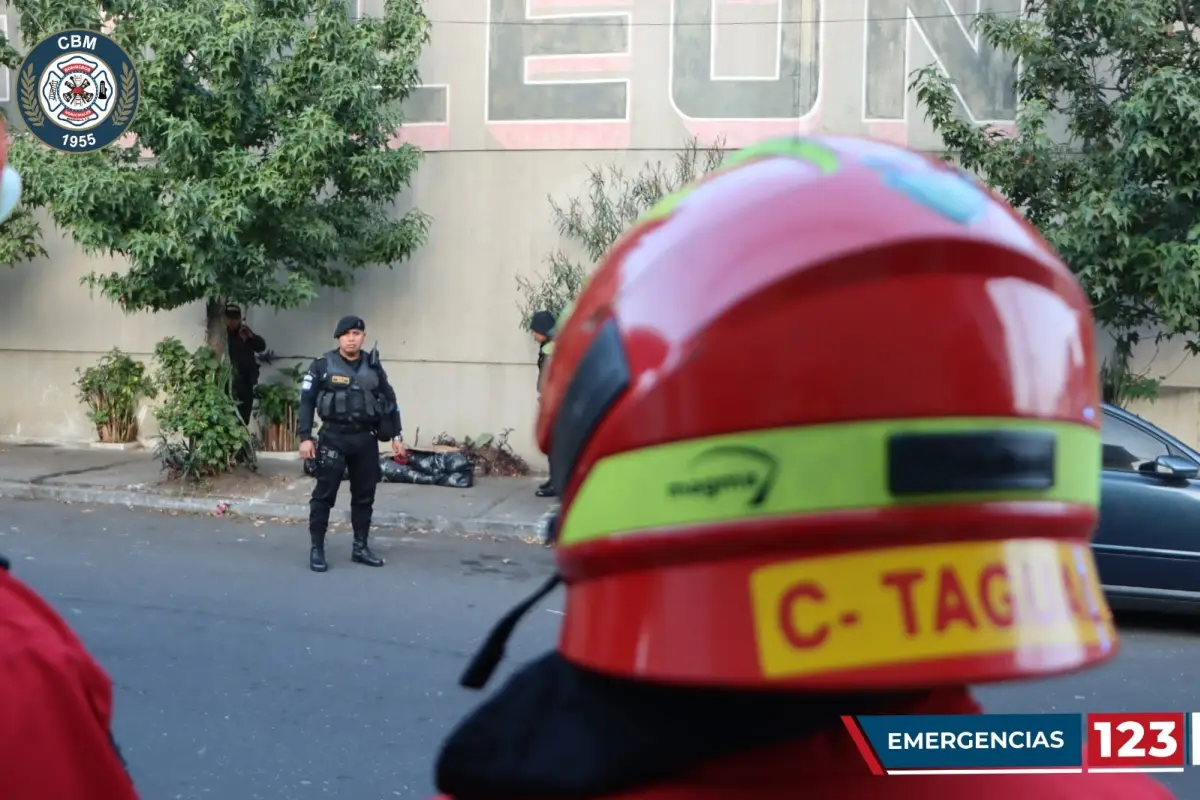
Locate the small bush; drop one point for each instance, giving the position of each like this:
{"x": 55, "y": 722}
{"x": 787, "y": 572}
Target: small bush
{"x": 201, "y": 432}
{"x": 278, "y": 402}
{"x": 111, "y": 391}
{"x": 593, "y": 223}
{"x": 491, "y": 455}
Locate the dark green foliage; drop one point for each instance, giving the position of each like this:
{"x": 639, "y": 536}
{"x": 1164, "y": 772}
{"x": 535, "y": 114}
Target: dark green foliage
{"x": 1106, "y": 161}
{"x": 201, "y": 434}
{"x": 268, "y": 173}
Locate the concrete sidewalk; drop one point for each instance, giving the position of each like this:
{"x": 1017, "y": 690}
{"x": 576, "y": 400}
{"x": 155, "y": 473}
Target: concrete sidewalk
{"x": 132, "y": 478}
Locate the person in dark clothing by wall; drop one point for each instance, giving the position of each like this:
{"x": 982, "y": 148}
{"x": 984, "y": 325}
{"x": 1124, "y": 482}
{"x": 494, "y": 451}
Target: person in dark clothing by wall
{"x": 244, "y": 345}
{"x": 542, "y": 326}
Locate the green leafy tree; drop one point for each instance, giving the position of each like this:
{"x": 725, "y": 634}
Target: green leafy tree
{"x": 1106, "y": 157}
{"x": 20, "y": 237}
{"x": 263, "y": 170}
{"x": 591, "y": 224}
{"x": 20, "y": 234}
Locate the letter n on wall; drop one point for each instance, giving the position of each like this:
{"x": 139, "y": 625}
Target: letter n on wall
{"x": 983, "y": 78}
{"x": 746, "y": 69}
{"x": 558, "y": 79}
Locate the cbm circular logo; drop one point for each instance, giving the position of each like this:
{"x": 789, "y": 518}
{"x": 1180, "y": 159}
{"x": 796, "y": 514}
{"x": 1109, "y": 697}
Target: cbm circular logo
{"x": 78, "y": 91}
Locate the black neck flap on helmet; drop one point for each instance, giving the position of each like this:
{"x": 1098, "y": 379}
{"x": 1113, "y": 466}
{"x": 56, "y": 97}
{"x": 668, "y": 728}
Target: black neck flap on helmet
{"x": 600, "y": 379}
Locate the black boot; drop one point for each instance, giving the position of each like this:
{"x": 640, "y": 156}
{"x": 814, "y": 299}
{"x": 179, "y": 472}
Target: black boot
{"x": 546, "y": 490}
{"x": 316, "y": 556}
{"x": 361, "y": 554}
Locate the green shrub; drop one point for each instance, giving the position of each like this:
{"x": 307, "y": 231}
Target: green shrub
{"x": 201, "y": 432}
{"x": 111, "y": 391}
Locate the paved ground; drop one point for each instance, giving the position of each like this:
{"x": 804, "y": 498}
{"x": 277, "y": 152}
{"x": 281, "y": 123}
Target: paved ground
{"x": 493, "y": 506}
{"x": 242, "y": 676}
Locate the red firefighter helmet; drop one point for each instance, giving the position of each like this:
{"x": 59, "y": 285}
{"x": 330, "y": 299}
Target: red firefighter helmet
{"x": 828, "y": 419}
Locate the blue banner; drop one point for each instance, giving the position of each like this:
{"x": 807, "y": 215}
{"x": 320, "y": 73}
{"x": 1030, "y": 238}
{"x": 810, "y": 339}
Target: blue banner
{"x": 984, "y": 741}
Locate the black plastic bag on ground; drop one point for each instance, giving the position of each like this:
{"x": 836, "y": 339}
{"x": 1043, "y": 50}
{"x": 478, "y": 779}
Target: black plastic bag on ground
{"x": 430, "y": 469}
{"x": 395, "y": 472}
{"x": 453, "y": 463}
{"x": 463, "y": 479}
{"x": 423, "y": 463}
{"x": 439, "y": 465}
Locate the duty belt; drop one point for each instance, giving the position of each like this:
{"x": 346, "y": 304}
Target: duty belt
{"x": 346, "y": 427}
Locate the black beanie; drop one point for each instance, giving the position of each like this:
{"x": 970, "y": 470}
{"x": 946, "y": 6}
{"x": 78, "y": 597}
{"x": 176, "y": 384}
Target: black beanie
{"x": 542, "y": 322}
{"x": 349, "y": 323}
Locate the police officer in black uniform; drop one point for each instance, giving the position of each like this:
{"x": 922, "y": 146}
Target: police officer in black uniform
{"x": 358, "y": 409}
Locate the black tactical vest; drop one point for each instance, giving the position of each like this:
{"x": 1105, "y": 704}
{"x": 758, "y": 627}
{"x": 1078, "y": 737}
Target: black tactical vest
{"x": 348, "y": 393}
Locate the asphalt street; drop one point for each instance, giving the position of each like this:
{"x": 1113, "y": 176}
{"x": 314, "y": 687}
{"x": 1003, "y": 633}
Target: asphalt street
{"x": 240, "y": 675}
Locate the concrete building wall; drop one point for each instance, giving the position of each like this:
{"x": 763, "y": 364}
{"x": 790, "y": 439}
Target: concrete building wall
{"x": 520, "y": 97}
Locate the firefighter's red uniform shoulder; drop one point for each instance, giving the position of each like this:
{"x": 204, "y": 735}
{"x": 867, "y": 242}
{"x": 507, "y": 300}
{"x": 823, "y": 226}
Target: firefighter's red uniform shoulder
{"x": 55, "y": 707}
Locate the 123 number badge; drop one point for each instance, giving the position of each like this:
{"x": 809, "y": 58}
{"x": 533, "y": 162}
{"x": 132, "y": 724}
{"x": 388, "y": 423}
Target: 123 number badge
{"x": 78, "y": 91}
{"x": 1136, "y": 742}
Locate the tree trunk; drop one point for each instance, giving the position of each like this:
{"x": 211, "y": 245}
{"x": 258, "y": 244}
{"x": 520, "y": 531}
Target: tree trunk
{"x": 215, "y": 334}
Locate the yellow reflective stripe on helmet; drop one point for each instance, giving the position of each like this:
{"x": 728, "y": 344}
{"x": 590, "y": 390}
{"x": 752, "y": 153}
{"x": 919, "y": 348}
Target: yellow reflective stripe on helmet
{"x": 667, "y": 205}
{"x": 790, "y": 471}
{"x": 816, "y": 154}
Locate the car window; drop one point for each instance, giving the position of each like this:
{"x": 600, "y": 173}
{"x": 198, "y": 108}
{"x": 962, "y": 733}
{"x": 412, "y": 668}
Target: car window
{"x": 1126, "y": 446}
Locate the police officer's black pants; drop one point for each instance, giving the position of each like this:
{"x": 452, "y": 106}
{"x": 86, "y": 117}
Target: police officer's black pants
{"x": 336, "y": 453}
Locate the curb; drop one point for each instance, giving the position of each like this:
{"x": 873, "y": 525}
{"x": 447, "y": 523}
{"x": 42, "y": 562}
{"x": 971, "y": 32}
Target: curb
{"x": 251, "y": 507}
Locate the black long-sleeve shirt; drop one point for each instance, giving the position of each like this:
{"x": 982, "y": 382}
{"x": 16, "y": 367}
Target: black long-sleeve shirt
{"x": 310, "y": 385}
{"x": 242, "y": 356}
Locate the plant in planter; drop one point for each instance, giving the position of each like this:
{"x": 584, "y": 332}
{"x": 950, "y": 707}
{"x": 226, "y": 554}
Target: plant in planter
{"x": 111, "y": 390}
{"x": 278, "y": 403}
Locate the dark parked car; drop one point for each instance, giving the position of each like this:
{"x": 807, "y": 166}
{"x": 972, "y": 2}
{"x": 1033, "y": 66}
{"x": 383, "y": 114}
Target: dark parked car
{"x": 1148, "y": 543}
